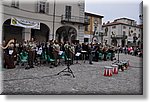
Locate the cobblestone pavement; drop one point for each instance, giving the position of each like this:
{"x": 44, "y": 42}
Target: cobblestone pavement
{"x": 88, "y": 79}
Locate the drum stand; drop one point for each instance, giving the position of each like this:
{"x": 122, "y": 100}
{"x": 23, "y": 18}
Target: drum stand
{"x": 68, "y": 69}
{"x": 84, "y": 56}
{"x": 77, "y": 59}
{"x": 118, "y": 60}
{"x": 60, "y": 63}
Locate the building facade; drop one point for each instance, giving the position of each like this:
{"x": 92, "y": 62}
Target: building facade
{"x": 43, "y": 20}
{"x": 121, "y": 32}
{"x": 141, "y": 23}
{"x": 93, "y": 30}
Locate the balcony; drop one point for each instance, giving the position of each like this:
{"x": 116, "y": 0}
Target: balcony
{"x": 75, "y": 20}
{"x": 118, "y": 36}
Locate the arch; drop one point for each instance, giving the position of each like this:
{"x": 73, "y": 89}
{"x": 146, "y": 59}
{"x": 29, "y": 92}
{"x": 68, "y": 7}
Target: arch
{"x": 114, "y": 42}
{"x": 66, "y": 33}
{"x": 11, "y": 32}
{"x": 41, "y": 35}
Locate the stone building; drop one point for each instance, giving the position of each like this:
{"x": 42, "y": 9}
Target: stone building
{"x": 121, "y": 32}
{"x": 93, "y": 31}
{"x": 43, "y": 20}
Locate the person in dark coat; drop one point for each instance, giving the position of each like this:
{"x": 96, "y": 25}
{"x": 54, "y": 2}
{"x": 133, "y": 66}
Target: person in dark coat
{"x": 9, "y": 56}
{"x": 90, "y": 53}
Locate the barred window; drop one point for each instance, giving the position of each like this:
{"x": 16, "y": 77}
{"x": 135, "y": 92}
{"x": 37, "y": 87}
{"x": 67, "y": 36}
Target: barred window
{"x": 43, "y": 7}
{"x": 68, "y": 12}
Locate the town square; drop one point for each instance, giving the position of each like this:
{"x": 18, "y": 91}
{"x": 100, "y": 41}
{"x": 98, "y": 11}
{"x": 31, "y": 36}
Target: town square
{"x": 55, "y": 47}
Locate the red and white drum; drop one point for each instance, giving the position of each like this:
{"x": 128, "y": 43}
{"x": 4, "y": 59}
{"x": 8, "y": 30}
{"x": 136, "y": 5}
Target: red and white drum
{"x": 115, "y": 69}
{"x": 108, "y": 71}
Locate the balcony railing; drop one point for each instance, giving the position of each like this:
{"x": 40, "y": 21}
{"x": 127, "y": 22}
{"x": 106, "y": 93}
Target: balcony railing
{"x": 118, "y": 36}
{"x": 75, "y": 19}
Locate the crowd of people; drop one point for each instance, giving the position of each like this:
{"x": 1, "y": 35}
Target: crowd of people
{"x": 34, "y": 50}
{"x": 53, "y": 50}
{"x": 131, "y": 50}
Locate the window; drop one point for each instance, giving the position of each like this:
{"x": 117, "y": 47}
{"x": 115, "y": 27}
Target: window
{"x": 86, "y": 19}
{"x": 86, "y": 40}
{"x": 139, "y": 35}
{"x": 134, "y": 29}
{"x": 134, "y": 34}
{"x": 124, "y": 27}
{"x": 113, "y": 27}
{"x": 68, "y": 12}
{"x": 42, "y": 7}
{"x": 15, "y": 3}
{"x": 86, "y": 28}
{"x": 124, "y": 33}
{"x": 129, "y": 34}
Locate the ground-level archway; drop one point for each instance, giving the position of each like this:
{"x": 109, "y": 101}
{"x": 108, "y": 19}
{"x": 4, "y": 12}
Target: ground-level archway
{"x": 16, "y": 32}
{"x": 42, "y": 34}
{"x": 11, "y": 32}
{"x": 66, "y": 33}
{"x": 114, "y": 42}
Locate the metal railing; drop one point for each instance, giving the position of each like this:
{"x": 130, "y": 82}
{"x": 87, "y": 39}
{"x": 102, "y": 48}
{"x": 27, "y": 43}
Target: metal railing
{"x": 75, "y": 19}
{"x": 118, "y": 36}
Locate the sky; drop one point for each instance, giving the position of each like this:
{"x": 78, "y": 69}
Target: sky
{"x": 113, "y": 9}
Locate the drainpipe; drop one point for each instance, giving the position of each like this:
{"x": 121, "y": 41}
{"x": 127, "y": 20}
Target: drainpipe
{"x": 53, "y": 20}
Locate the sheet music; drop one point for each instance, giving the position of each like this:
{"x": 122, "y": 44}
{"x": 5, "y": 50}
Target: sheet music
{"x": 83, "y": 51}
{"x": 10, "y": 52}
{"x": 78, "y": 54}
{"x": 60, "y": 52}
{"x": 39, "y": 52}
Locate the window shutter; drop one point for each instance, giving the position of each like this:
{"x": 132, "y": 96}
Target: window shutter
{"x": 47, "y": 8}
{"x": 37, "y": 6}
{"x": 17, "y": 3}
{"x": 13, "y": 3}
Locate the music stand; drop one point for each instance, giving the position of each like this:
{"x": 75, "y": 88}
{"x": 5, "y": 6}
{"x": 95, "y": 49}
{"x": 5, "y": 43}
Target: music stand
{"x": 84, "y": 55}
{"x": 59, "y": 57}
{"x": 77, "y": 57}
{"x": 118, "y": 60}
{"x": 68, "y": 69}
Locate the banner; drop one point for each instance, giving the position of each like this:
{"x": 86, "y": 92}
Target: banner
{"x": 25, "y": 23}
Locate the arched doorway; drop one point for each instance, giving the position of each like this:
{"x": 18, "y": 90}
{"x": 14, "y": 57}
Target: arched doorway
{"x": 114, "y": 42}
{"x": 66, "y": 33}
{"x": 123, "y": 42}
{"x": 11, "y": 32}
{"x": 41, "y": 35}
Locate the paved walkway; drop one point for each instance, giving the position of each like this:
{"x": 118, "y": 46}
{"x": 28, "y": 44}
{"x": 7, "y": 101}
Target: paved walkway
{"x": 88, "y": 79}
